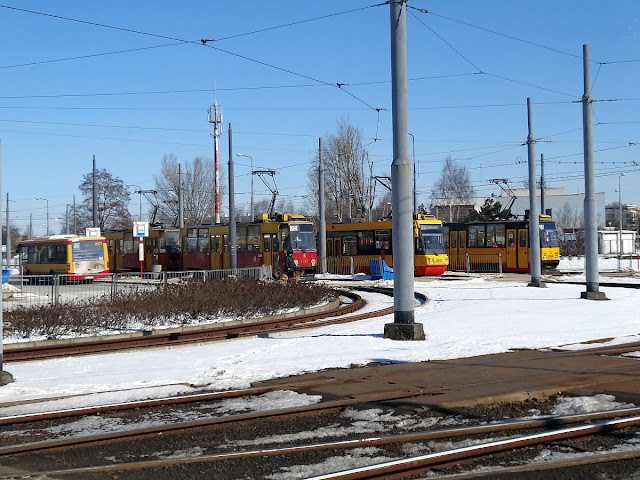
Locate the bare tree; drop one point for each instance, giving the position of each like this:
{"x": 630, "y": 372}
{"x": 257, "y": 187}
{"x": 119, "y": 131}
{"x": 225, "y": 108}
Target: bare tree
{"x": 570, "y": 229}
{"x": 113, "y": 202}
{"x": 198, "y": 194}
{"x": 348, "y": 187}
{"x": 453, "y": 190}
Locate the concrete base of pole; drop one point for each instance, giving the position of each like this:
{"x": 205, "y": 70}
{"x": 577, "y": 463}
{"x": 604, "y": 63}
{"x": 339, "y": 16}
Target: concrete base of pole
{"x": 593, "y": 296}
{"x": 537, "y": 284}
{"x": 5, "y": 378}
{"x": 404, "y": 331}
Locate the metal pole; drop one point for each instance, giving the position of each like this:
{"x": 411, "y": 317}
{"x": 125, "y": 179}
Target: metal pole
{"x": 66, "y": 219}
{"x": 5, "y": 377}
{"x": 534, "y": 227}
{"x": 322, "y": 213}
{"x": 233, "y": 262}
{"x": 404, "y": 326}
{"x": 590, "y": 220}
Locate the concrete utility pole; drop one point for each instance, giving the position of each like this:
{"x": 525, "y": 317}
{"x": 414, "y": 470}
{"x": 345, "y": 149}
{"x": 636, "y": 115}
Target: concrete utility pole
{"x": 95, "y": 196}
{"x": 322, "y": 258}
{"x": 75, "y": 218}
{"x": 66, "y": 219}
{"x": 404, "y": 326}
{"x": 534, "y": 223}
{"x": 233, "y": 259}
{"x": 590, "y": 216}
{"x": 5, "y": 377}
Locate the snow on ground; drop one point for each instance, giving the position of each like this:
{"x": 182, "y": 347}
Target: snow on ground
{"x": 463, "y": 317}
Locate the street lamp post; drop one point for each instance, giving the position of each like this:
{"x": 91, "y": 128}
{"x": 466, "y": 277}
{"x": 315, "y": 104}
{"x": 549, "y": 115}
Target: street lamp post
{"x": 40, "y": 198}
{"x": 251, "y": 174}
{"x": 620, "y": 217}
{"x": 139, "y": 192}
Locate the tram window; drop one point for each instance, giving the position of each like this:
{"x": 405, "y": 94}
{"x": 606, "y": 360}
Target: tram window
{"x": 266, "y": 242}
{"x": 241, "y": 238}
{"x": 203, "y": 240}
{"x": 512, "y": 241}
{"x": 215, "y": 243}
{"x": 253, "y": 238}
{"x": 349, "y": 246}
{"x": 476, "y": 236}
{"x": 382, "y": 241}
{"x": 495, "y": 235}
{"x": 367, "y": 244}
{"x": 523, "y": 238}
{"x": 454, "y": 237}
{"x": 446, "y": 237}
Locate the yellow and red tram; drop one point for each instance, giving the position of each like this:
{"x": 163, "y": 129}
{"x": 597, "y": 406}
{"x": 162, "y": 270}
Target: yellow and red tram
{"x": 162, "y": 248}
{"x": 263, "y": 242}
{"x": 504, "y": 241}
{"x": 364, "y": 241}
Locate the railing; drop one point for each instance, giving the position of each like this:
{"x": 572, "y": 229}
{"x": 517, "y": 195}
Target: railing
{"x": 348, "y": 265}
{"x": 42, "y": 290}
{"x": 477, "y": 263}
{"x": 608, "y": 263}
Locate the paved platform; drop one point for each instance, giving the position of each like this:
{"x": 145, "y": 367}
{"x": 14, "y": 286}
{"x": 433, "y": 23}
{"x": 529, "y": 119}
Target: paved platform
{"x": 488, "y": 379}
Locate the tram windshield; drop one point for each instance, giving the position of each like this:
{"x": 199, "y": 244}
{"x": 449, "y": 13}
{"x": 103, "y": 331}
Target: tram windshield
{"x": 548, "y": 235}
{"x": 430, "y": 240}
{"x": 301, "y": 237}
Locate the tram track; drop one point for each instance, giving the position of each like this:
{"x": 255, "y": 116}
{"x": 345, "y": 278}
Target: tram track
{"x": 400, "y": 468}
{"x": 176, "y": 336}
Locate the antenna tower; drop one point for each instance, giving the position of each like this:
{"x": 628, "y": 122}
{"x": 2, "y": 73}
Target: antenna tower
{"x": 215, "y": 119}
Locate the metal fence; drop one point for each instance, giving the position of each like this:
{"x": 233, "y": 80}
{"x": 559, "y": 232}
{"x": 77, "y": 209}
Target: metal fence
{"x": 32, "y": 291}
{"x": 477, "y": 263}
{"x": 606, "y": 263}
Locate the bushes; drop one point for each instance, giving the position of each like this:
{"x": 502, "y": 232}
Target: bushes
{"x": 166, "y": 306}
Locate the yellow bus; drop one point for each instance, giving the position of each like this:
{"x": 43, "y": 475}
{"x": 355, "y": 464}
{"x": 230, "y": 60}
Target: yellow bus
{"x": 80, "y": 258}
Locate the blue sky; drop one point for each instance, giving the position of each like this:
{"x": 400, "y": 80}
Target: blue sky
{"x": 472, "y": 65}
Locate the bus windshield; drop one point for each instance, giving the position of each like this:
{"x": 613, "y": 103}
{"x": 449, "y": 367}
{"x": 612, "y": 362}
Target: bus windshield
{"x": 548, "y": 235}
{"x": 87, "y": 250}
{"x": 430, "y": 240}
{"x": 302, "y": 237}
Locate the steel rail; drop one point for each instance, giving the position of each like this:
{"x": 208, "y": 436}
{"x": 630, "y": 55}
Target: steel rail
{"x": 360, "y": 443}
{"x": 422, "y": 463}
{"x": 99, "y": 439}
{"x": 575, "y": 461}
{"x": 210, "y": 333}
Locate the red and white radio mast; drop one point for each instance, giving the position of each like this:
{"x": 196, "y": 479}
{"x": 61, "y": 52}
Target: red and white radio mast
{"x": 216, "y": 130}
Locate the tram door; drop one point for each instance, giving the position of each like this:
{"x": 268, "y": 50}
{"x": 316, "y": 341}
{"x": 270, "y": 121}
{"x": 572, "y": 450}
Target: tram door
{"x": 268, "y": 242}
{"x": 523, "y": 248}
{"x": 512, "y": 251}
{"x": 216, "y": 261}
{"x": 462, "y": 250}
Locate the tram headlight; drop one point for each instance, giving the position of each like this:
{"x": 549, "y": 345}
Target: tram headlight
{"x": 313, "y": 262}
{"x": 430, "y": 261}
{"x": 295, "y": 262}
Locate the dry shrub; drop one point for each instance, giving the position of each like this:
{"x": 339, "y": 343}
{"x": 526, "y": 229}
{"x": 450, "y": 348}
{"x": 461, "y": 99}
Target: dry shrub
{"x": 171, "y": 305}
